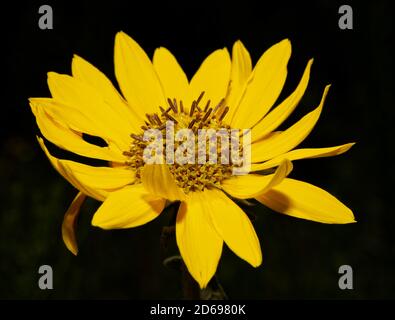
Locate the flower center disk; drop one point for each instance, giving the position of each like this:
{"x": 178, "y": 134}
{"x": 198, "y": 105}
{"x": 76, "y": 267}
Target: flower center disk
{"x": 194, "y": 176}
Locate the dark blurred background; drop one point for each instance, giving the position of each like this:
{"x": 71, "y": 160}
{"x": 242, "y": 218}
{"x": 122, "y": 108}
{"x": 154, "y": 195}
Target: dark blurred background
{"x": 301, "y": 258}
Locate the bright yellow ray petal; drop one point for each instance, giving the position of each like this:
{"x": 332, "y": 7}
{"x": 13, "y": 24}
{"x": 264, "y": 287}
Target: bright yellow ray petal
{"x": 72, "y": 119}
{"x": 97, "y": 194}
{"x": 157, "y": 179}
{"x": 86, "y": 72}
{"x": 136, "y": 76}
{"x": 212, "y": 78}
{"x": 199, "y": 244}
{"x": 265, "y": 85}
{"x": 233, "y": 225}
{"x": 172, "y": 77}
{"x": 253, "y": 185}
{"x": 68, "y": 139}
{"x": 307, "y": 153}
{"x": 240, "y": 73}
{"x": 98, "y": 177}
{"x": 303, "y": 200}
{"x": 288, "y": 139}
{"x": 78, "y": 97}
{"x": 127, "y": 208}
{"x": 271, "y": 135}
{"x": 283, "y": 110}
{"x": 69, "y": 223}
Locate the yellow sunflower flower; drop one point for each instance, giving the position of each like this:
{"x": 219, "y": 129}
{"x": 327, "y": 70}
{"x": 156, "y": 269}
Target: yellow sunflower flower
{"x": 224, "y": 93}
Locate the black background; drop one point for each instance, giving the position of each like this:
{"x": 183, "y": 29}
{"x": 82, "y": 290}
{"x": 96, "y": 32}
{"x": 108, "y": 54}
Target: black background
{"x": 301, "y": 258}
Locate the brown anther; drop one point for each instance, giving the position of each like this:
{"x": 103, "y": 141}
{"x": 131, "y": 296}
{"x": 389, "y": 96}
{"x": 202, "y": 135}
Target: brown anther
{"x": 207, "y": 115}
{"x": 144, "y": 127}
{"x": 175, "y": 105}
{"x": 192, "y": 108}
{"x": 218, "y": 105}
{"x": 222, "y": 116}
{"x": 199, "y": 98}
{"x": 162, "y": 110}
{"x": 127, "y": 153}
{"x": 168, "y": 116}
{"x": 171, "y": 105}
{"x": 181, "y": 107}
{"x": 156, "y": 118}
{"x": 150, "y": 119}
{"x": 136, "y": 137}
{"x": 191, "y": 123}
{"x": 207, "y": 105}
{"x": 162, "y": 126}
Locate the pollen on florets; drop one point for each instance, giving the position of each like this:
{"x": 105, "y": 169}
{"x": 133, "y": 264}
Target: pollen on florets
{"x": 189, "y": 176}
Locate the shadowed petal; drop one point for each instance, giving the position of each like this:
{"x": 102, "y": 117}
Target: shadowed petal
{"x": 129, "y": 207}
{"x": 233, "y": 225}
{"x": 69, "y": 223}
{"x": 253, "y": 185}
{"x": 95, "y": 182}
{"x": 304, "y": 200}
{"x": 157, "y": 179}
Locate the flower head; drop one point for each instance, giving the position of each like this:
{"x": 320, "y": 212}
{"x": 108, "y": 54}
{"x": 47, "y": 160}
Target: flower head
{"x": 225, "y": 93}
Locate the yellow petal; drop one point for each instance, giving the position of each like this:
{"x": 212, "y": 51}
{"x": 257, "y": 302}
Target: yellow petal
{"x": 283, "y": 110}
{"x": 253, "y": 185}
{"x": 79, "y": 98}
{"x": 288, "y": 139}
{"x": 234, "y": 227}
{"x": 98, "y": 177}
{"x": 97, "y": 194}
{"x": 158, "y": 180}
{"x": 69, "y": 223}
{"x": 240, "y": 73}
{"x": 172, "y": 77}
{"x": 136, "y": 76}
{"x": 271, "y": 135}
{"x": 303, "y": 200}
{"x": 84, "y": 71}
{"x": 70, "y": 118}
{"x": 127, "y": 208}
{"x": 199, "y": 244}
{"x": 212, "y": 78}
{"x": 68, "y": 139}
{"x": 302, "y": 154}
{"x": 264, "y": 87}
{"x": 79, "y": 123}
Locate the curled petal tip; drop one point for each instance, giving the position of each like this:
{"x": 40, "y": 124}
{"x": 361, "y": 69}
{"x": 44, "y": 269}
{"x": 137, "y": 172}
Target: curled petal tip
{"x": 286, "y": 41}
